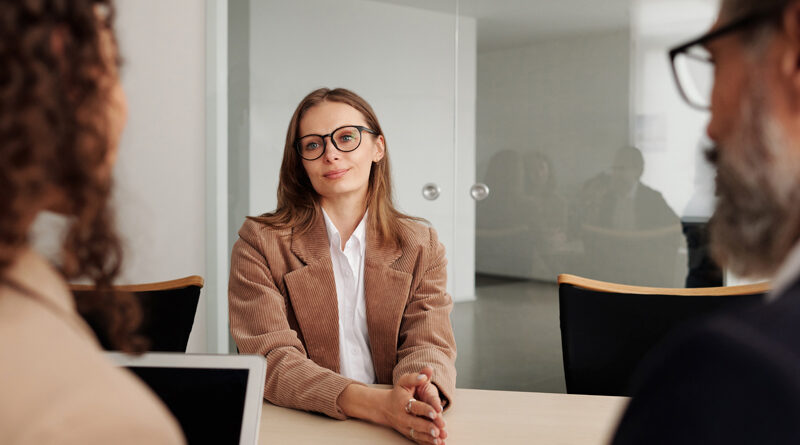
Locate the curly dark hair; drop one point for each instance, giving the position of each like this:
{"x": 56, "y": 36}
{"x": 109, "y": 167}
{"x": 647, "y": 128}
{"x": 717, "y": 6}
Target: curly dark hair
{"x": 55, "y": 138}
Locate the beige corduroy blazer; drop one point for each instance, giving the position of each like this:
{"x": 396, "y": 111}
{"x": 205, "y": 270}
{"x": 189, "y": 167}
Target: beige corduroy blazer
{"x": 283, "y": 305}
{"x": 56, "y": 386}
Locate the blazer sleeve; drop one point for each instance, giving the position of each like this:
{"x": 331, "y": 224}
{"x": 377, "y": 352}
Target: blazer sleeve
{"x": 259, "y": 325}
{"x": 426, "y": 335}
{"x": 720, "y": 384}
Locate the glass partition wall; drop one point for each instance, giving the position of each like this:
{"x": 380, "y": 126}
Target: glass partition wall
{"x": 538, "y": 138}
{"x": 594, "y": 166}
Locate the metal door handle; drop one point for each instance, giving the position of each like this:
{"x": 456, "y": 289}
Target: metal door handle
{"x": 431, "y": 191}
{"x": 479, "y": 191}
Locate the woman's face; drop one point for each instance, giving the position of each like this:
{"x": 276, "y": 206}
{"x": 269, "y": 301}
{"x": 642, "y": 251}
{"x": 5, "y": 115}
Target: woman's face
{"x": 117, "y": 104}
{"x": 336, "y": 174}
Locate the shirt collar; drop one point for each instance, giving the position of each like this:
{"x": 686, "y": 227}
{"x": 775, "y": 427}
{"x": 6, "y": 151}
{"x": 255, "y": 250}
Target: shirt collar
{"x": 787, "y": 274}
{"x": 335, "y": 239}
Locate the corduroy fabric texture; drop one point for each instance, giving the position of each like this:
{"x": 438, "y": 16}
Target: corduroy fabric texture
{"x": 283, "y": 305}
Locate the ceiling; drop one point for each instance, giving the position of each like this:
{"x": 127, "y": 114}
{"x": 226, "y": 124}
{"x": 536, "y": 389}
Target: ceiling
{"x": 512, "y": 23}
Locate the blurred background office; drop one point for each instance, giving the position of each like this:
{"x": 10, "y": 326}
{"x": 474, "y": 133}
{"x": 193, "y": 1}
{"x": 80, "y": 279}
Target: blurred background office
{"x": 538, "y": 137}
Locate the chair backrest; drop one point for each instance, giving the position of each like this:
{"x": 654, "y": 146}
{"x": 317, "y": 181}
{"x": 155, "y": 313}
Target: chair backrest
{"x": 607, "y": 328}
{"x": 168, "y": 310}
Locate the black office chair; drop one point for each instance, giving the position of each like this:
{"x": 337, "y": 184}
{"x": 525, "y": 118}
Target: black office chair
{"x": 607, "y": 328}
{"x": 168, "y": 310}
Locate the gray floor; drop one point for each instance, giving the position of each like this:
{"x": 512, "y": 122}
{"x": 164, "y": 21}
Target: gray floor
{"x": 509, "y": 339}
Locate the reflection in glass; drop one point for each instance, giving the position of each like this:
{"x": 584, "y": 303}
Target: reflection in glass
{"x": 521, "y": 226}
{"x": 628, "y": 224}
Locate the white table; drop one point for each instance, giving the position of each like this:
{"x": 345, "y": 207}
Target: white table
{"x": 476, "y": 417}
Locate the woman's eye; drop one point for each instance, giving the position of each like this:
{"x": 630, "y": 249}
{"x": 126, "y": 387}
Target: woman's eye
{"x": 312, "y": 146}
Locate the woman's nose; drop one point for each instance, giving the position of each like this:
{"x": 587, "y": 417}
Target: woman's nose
{"x": 331, "y": 152}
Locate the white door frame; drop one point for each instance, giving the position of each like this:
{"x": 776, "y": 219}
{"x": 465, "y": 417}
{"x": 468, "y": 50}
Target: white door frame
{"x": 217, "y": 255}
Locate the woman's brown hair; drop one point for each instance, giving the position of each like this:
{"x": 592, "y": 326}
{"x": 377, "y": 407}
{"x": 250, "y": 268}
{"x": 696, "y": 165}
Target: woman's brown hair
{"x": 298, "y": 202}
{"x": 55, "y": 140}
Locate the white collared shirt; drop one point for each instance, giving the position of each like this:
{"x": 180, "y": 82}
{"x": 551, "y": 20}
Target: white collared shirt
{"x": 787, "y": 274}
{"x": 355, "y": 358}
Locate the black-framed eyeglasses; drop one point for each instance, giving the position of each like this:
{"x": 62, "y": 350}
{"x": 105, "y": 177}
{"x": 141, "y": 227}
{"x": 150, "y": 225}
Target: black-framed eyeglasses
{"x": 693, "y": 67}
{"x": 346, "y": 139}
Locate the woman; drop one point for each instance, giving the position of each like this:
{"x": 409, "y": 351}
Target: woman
{"x": 336, "y": 288}
{"x": 61, "y": 114}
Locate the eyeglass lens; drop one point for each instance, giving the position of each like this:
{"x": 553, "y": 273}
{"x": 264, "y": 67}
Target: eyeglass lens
{"x": 344, "y": 139}
{"x": 695, "y": 72}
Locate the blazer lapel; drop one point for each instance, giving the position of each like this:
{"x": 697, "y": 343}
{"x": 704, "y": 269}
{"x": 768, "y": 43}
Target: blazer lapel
{"x": 312, "y": 291}
{"x": 386, "y": 291}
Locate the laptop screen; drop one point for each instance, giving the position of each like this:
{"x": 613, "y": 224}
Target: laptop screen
{"x": 216, "y": 398}
{"x": 208, "y": 403}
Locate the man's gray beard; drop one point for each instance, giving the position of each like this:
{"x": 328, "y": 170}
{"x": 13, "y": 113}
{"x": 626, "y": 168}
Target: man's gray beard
{"x": 757, "y": 217}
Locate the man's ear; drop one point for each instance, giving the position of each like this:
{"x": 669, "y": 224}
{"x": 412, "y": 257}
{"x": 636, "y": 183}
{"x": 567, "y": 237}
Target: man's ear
{"x": 790, "y": 59}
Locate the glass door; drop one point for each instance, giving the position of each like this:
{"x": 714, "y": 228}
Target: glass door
{"x": 589, "y": 160}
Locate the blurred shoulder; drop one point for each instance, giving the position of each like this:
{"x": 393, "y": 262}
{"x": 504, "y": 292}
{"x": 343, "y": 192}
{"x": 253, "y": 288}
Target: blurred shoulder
{"x": 87, "y": 400}
{"x": 118, "y": 407}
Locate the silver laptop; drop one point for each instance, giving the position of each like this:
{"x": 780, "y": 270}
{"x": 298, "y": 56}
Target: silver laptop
{"x": 216, "y": 398}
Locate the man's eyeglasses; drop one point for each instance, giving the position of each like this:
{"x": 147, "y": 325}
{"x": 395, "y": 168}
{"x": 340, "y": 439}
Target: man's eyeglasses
{"x": 346, "y": 139}
{"x": 693, "y": 66}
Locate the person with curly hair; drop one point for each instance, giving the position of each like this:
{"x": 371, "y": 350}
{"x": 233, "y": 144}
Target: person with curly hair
{"x": 62, "y": 111}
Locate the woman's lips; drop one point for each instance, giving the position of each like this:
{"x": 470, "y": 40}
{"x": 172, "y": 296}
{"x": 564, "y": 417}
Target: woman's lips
{"x": 335, "y": 174}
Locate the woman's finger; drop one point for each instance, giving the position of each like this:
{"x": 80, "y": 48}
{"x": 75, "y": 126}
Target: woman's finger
{"x": 427, "y": 370}
{"x": 431, "y": 389}
{"x": 422, "y": 409}
{"x": 429, "y": 394}
{"x": 424, "y": 431}
{"x": 411, "y": 381}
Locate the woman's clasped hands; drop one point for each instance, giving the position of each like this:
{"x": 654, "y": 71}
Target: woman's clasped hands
{"x": 414, "y": 408}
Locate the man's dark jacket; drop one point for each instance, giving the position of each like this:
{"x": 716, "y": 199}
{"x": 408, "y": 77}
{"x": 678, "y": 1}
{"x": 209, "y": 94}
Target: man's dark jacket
{"x": 733, "y": 379}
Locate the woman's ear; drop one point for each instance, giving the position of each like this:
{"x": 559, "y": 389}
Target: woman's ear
{"x": 380, "y": 151}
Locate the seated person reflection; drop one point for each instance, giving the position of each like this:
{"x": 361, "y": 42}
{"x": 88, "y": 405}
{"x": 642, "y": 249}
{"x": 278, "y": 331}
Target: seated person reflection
{"x": 62, "y": 110}
{"x": 619, "y": 200}
{"x": 337, "y": 288}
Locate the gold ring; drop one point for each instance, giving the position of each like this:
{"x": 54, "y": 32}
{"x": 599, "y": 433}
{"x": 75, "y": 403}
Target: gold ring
{"x": 412, "y": 434}
{"x": 408, "y": 405}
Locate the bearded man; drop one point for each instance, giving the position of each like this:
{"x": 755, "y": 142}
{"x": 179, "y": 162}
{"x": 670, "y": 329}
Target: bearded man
{"x": 736, "y": 377}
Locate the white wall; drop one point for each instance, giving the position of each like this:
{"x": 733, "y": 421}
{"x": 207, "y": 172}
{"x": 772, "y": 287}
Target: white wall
{"x": 401, "y": 60}
{"x": 160, "y": 173}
